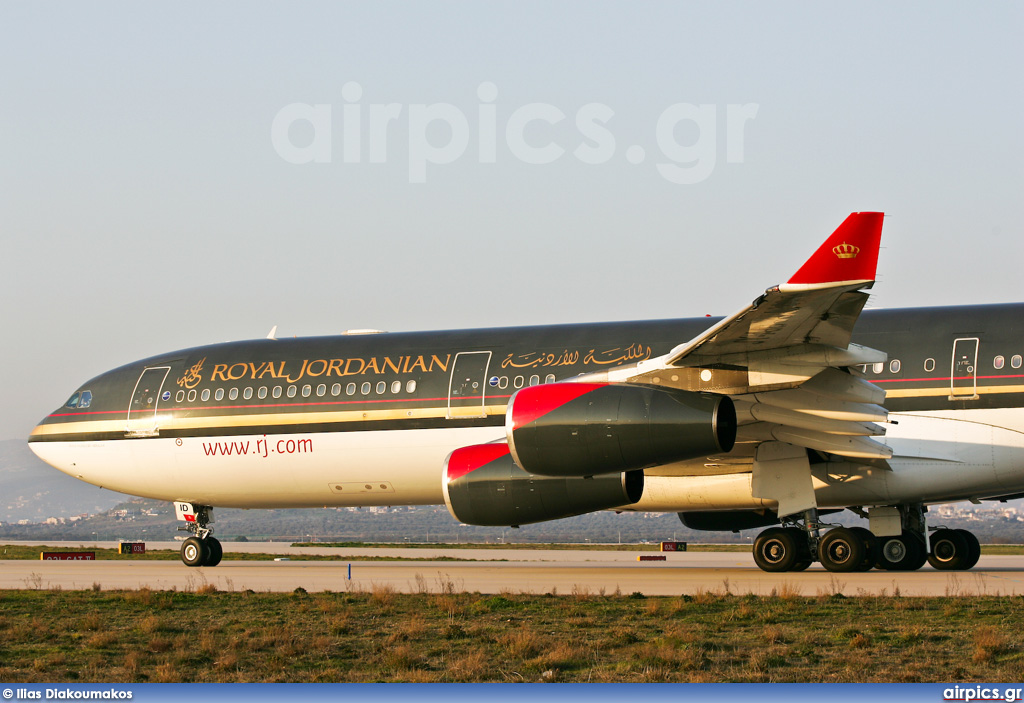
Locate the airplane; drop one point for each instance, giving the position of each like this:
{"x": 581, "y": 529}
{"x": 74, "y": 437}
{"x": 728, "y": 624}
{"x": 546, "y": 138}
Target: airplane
{"x": 798, "y": 406}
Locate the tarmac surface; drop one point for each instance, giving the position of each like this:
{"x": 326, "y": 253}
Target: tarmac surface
{"x": 498, "y": 570}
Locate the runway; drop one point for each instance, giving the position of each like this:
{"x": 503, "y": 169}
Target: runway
{"x": 514, "y": 570}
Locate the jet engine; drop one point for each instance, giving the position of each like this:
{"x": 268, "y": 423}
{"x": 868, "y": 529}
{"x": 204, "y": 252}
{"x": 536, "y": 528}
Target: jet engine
{"x": 483, "y": 486}
{"x": 587, "y": 429}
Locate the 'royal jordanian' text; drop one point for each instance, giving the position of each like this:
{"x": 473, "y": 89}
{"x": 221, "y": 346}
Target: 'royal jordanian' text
{"x": 292, "y": 372}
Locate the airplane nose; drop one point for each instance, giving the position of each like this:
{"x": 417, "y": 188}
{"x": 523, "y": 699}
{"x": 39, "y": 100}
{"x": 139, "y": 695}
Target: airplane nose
{"x": 35, "y": 434}
{"x": 38, "y": 433}
{"x": 56, "y": 454}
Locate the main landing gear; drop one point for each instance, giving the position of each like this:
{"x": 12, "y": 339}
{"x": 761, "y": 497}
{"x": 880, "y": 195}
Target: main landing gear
{"x": 799, "y": 543}
{"x": 202, "y": 548}
{"x": 954, "y": 550}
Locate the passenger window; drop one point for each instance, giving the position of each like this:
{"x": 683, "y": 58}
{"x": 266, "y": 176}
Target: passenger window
{"x": 247, "y": 393}
{"x": 534, "y": 380}
{"x": 894, "y": 366}
{"x": 262, "y": 392}
{"x": 321, "y": 390}
{"x": 381, "y": 387}
{"x": 929, "y": 365}
{"x": 276, "y": 392}
{"x": 191, "y": 396}
{"x": 218, "y": 395}
{"x": 366, "y": 388}
{"x": 396, "y": 387}
{"x": 550, "y": 378}
{"x": 350, "y": 389}
{"x": 233, "y": 394}
{"x": 1015, "y": 361}
{"x": 410, "y": 387}
{"x": 878, "y": 368}
{"x": 292, "y": 391}
{"x": 518, "y": 382}
{"x": 206, "y": 394}
{"x": 336, "y": 389}
{"x": 998, "y": 362}
{"x": 179, "y": 397}
{"x": 306, "y": 390}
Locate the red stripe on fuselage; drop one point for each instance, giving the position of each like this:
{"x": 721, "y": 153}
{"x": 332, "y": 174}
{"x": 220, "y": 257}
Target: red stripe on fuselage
{"x": 945, "y": 379}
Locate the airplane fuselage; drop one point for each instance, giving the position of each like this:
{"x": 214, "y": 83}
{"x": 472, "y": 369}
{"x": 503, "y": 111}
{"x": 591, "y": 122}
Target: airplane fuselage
{"x": 369, "y": 419}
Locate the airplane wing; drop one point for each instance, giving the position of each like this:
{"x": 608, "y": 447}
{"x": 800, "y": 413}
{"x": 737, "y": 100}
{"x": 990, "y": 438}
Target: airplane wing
{"x": 818, "y": 305}
{"x": 787, "y": 362}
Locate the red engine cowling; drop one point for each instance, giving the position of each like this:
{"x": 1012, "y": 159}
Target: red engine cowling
{"x": 588, "y": 429}
{"x": 483, "y": 486}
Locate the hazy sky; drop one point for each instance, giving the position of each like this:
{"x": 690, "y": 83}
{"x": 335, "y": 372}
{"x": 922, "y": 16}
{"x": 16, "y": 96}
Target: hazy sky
{"x": 145, "y": 204}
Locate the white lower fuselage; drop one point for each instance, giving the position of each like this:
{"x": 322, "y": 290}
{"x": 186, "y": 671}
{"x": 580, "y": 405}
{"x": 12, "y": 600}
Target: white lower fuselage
{"x": 939, "y": 456}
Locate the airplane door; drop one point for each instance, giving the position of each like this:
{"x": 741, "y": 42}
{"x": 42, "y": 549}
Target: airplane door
{"x": 466, "y": 389}
{"x": 964, "y": 375}
{"x": 144, "y": 402}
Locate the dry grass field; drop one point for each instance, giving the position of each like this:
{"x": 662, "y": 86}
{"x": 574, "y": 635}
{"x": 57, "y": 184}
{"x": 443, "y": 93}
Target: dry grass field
{"x": 440, "y": 635}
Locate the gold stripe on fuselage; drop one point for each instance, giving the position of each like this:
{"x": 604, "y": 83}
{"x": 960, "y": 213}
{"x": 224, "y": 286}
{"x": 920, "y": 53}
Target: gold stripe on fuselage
{"x": 171, "y": 423}
{"x": 945, "y": 391}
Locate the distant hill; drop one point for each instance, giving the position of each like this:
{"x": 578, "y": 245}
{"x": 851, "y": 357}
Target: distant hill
{"x": 149, "y": 520}
{"x": 152, "y": 520}
{"x": 32, "y": 490}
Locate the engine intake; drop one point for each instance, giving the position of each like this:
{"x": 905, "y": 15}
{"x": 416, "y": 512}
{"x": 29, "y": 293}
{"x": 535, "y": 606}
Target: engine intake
{"x": 587, "y": 429}
{"x": 483, "y": 486}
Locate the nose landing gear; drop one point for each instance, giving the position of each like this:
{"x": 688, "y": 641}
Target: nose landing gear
{"x": 202, "y": 548}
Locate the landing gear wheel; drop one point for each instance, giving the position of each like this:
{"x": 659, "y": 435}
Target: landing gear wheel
{"x": 775, "y": 550}
{"x": 841, "y": 550}
{"x": 803, "y": 549}
{"x": 973, "y": 548}
{"x": 194, "y": 552}
{"x": 903, "y": 553}
{"x": 215, "y": 552}
{"x": 920, "y": 555}
{"x": 870, "y": 548}
{"x": 950, "y": 550}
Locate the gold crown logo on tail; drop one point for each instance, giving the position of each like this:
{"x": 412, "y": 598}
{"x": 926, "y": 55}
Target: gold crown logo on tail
{"x": 846, "y": 251}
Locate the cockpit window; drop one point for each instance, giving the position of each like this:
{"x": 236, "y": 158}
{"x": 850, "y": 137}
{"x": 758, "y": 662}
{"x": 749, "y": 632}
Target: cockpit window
{"x": 81, "y": 399}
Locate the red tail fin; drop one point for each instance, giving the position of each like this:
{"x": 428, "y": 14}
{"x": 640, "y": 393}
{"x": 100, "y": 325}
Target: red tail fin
{"x": 850, "y": 254}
